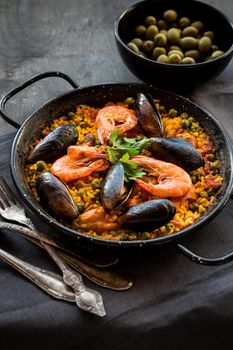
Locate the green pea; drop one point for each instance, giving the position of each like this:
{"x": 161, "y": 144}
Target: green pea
{"x": 214, "y": 165}
{"x": 70, "y": 115}
{"x": 184, "y": 115}
{"x": 129, "y": 101}
{"x": 194, "y": 179}
{"x": 191, "y": 119}
{"x": 185, "y": 124}
{"x": 149, "y": 20}
{"x": 172, "y": 112}
{"x": 83, "y": 125}
{"x": 175, "y": 47}
{"x": 211, "y": 157}
{"x": 195, "y": 127}
{"x": 211, "y": 192}
{"x": 214, "y": 47}
{"x": 161, "y": 109}
{"x": 203, "y": 194}
{"x": 41, "y": 165}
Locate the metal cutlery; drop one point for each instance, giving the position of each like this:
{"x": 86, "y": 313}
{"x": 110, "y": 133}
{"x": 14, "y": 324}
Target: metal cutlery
{"x": 48, "y": 281}
{"x": 86, "y": 298}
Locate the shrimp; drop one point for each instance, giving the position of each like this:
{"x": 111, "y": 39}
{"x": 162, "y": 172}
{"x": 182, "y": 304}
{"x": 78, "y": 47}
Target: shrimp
{"x": 83, "y": 151}
{"x": 107, "y": 118}
{"x": 173, "y": 181}
{"x": 97, "y": 220}
{"x": 70, "y": 169}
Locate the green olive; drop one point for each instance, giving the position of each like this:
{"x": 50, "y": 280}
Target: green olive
{"x": 138, "y": 42}
{"x": 174, "y": 58}
{"x": 151, "y": 32}
{"x": 190, "y": 31}
{"x": 175, "y": 47}
{"x": 160, "y": 40}
{"x": 141, "y": 53}
{"x": 162, "y": 24}
{"x": 188, "y": 60}
{"x": 149, "y": 20}
{"x": 214, "y": 47}
{"x": 216, "y": 54}
{"x": 140, "y": 30}
{"x": 204, "y": 44}
{"x": 188, "y": 43}
{"x": 170, "y": 16}
{"x": 133, "y": 47}
{"x": 199, "y": 25}
{"x": 162, "y": 58}
{"x": 210, "y": 34}
{"x": 163, "y": 31}
{"x": 195, "y": 54}
{"x": 184, "y": 22}
{"x": 177, "y": 52}
{"x": 173, "y": 35}
{"x": 148, "y": 46}
{"x": 158, "y": 51}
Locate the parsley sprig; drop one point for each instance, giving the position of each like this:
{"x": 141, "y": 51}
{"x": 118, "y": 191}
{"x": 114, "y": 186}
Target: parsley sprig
{"x": 122, "y": 149}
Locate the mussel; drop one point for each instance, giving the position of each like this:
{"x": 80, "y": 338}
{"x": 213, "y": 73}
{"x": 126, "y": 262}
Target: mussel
{"x": 149, "y": 215}
{"x": 115, "y": 191}
{"x": 148, "y": 115}
{"x": 55, "y": 144}
{"x": 55, "y": 196}
{"x": 177, "y": 151}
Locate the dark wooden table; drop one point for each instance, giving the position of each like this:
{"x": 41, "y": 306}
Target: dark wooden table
{"x": 174, "y": 303}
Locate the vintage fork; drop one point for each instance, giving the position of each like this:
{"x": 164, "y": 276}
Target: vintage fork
{"x": 86, "y": 298}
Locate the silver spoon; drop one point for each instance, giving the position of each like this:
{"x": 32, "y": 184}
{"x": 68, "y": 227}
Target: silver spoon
{"x": 48, "y": 281}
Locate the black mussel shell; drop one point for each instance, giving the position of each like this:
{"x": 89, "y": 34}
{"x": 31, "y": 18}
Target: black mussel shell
{"x": 55, "y": 196}
{"x": 149, "y": 215}
{"x": 114, "y": 191}
{"x": 177, "y": 151}
{"x": 148, "y": 115}
{"x": 55, "y": 144}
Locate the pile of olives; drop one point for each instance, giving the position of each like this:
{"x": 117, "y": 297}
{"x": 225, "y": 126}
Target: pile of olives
{"x": 174, "y": 40}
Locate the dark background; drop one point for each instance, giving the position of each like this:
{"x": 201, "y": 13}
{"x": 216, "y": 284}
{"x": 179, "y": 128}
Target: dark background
{"x": 174, "y": 303}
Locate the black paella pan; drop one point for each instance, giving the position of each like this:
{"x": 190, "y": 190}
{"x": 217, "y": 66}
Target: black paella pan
{"x": 97, "y": 96}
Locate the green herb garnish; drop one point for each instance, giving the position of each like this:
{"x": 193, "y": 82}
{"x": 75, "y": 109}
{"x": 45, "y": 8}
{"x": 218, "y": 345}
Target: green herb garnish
{"x": 121, "y": 151}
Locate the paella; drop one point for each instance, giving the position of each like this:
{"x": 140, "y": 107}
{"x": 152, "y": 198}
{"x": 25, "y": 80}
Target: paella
{"x": 132, "y": 170}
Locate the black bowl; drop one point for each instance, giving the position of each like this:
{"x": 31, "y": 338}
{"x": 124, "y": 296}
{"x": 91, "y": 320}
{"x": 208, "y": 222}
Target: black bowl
{"x": 170, "y": 76}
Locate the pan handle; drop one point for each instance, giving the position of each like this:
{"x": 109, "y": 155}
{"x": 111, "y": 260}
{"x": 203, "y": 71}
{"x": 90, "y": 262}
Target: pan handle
{"x": 24, "y": 85}
{"x": 204, "y": 261}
